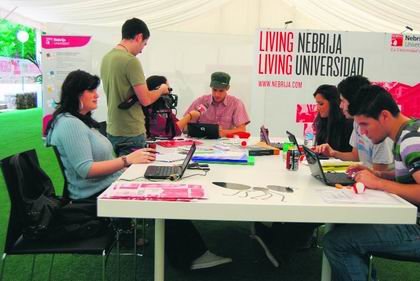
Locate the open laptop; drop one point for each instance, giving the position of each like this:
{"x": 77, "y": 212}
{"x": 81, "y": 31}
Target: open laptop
{"x": 170, "y": 172}
{"x": 317, "y": 171}
{"x": 266, "y": 139}
{"x": 203, "y": 130}
{"x": 292, "y": 138}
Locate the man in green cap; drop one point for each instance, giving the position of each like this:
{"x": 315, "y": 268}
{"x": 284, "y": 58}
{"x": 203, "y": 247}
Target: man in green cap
{"x": 220, "y": 108}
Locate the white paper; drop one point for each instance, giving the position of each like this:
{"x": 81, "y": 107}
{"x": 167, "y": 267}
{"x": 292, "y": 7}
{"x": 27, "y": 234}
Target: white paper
{"x": 368, "y": 197}
{"x": 170, "y": 157}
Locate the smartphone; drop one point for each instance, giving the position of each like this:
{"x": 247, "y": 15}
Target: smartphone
{"x": 280, "y": 188}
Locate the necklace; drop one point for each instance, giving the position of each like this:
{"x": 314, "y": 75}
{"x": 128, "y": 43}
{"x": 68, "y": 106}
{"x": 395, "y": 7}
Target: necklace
{"x": 123, "y": 47}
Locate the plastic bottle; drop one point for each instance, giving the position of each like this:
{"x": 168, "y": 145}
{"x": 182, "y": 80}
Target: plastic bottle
{"x": 309, "y": 138}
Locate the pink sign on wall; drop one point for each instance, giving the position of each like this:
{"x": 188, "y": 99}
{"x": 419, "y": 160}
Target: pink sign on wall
{"x": 406, "y": 96}
{"x": 54, "y": 41}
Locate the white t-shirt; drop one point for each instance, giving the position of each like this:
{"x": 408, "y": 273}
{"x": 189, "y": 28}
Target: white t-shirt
{"x": 370, "y": 153}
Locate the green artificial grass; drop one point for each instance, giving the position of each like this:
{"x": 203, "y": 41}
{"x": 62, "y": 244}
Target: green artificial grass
{"x": 21, "y": 130}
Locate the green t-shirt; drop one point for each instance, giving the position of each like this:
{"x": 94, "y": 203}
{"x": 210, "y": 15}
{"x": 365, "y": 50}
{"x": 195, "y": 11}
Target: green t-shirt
{"x": 120, "y": 71}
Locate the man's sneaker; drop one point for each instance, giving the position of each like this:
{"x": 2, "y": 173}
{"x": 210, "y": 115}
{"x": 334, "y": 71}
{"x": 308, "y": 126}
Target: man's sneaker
{"x": 208, "y": 259}
{"x": 260, "y": 233}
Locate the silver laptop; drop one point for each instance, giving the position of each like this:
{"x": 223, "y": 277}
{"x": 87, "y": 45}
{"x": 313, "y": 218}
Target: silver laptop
{"x": 329, "y": 178}
{"x": 266, "y": 139}
{"x": 170, "y": 172}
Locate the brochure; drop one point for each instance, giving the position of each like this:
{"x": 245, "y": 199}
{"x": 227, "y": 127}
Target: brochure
{"x": 154, "y": 191}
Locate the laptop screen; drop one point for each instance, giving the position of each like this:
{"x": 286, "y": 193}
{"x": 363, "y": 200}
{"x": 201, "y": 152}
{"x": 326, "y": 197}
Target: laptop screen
{"x": 314, "y": 164}
{"x": 264, "y": 135}
{"x": 203, "y": 130}
{"x": 187, "y": 159}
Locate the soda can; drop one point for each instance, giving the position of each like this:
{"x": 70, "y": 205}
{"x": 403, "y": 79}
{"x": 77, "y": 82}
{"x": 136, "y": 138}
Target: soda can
{"x": 292, "y": 160}
{"x": 288, "y": 159}
{"x": 294, "y": 165}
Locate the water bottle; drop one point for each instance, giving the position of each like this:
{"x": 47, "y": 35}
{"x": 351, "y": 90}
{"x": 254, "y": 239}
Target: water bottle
{"x": 309, "y": 139}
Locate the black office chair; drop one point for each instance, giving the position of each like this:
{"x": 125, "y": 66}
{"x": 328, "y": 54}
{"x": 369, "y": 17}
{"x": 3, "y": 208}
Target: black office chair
{"x": 16, "y": 244}
{"x": 60, "y": 163}
{"x": 102, "y": 128}
{"x": 66, "y": 195}
{"x": 388, "y": 257}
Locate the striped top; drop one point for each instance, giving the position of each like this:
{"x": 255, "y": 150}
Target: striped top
{"x": 407, "y": 151}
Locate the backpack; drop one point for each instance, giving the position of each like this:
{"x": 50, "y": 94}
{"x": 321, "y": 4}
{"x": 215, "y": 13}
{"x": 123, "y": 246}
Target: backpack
{"x": 45, "y": 215}
{"x": 160, "y": 123}
{"x": 77, "y": 219}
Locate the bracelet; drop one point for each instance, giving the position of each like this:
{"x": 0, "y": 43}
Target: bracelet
{"x": 125, "y": 161}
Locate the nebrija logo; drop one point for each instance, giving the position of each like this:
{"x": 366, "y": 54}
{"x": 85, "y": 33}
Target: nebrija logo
{"x": 397, "y": 40}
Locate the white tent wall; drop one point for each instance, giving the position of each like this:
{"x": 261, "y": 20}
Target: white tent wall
{"x": 186, "y": 59}
{"x": 190, "y": 39}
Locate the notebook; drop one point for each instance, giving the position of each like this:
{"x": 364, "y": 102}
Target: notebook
{"x": 292, "y": 138}
{"x": 170, "y": 172}
{"x": 203, "y": 130}
{"x": 318, "y": 172}
{"x": 266, "y": 139}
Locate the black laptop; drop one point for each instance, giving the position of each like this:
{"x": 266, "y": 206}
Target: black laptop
{"x": 170, "y": 172}
{"x": 329, "y": 178}
{"x": 266, "y": 139}
{"x": 292, "y": 138}
{"x": 203, "y": 130}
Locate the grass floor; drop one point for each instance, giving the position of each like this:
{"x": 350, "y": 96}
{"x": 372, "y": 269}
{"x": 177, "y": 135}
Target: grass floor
{"x": 21, "y": 130}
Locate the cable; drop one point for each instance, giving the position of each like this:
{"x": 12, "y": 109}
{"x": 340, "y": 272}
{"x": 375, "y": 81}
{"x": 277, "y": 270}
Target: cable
{"x": 135, "y": 179}
{"x": 205, "y": 174}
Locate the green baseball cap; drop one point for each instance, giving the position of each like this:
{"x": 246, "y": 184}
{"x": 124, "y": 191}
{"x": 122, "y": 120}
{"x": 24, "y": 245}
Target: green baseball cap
{"x": 220, "y": 80}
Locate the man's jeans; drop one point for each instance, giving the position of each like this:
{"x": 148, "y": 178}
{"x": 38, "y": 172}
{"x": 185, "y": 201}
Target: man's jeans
{"x": 347, "y": 247}
{"x": 126, "y": 145}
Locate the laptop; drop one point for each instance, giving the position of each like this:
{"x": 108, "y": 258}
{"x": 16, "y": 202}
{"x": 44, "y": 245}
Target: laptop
{"x": 170, "y": 172}
{"x": 203, "y": 130}
{"x": 266, "y": 139}
{"x": 317, "y": 171}
{"x": 292, "y": 138}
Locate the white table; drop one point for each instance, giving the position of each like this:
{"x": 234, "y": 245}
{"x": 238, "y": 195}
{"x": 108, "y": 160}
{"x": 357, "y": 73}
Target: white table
{"x": 303, "y": 205}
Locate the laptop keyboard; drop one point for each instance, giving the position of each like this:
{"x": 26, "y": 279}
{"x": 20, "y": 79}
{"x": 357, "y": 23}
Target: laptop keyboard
{"x": 161, "y": 171}
{"x": 338, "y": 178}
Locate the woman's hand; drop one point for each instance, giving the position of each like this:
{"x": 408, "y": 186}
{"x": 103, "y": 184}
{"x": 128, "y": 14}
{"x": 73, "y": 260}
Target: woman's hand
{"x": 144, "y": 155}
{"x": 325, "y": 149}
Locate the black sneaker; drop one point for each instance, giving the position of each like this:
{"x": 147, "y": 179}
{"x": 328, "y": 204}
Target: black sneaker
{"x": 262, "y": 234}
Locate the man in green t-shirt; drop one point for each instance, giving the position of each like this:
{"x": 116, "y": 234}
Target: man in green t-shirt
{"x": 122, "y": 77}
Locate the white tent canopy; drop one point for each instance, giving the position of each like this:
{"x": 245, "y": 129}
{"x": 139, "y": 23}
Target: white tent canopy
{"x": 221, "y": 16}
{"x": 193, "y": 38}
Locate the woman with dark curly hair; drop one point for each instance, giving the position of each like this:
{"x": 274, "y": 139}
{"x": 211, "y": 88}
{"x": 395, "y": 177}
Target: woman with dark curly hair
{"x": 86, "y": 154}
{"x": 91, "y": 167}
{"x": 330, "y": 125}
